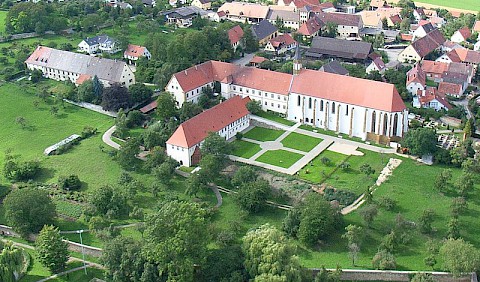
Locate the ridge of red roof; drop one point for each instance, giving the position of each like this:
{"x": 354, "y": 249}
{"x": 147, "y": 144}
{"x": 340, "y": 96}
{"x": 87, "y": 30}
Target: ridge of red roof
{"x": 448, "y": 88}
{"x": 476, "y": 26}
{"x": 466, "y": 55}
{"x": 284, "y": 39}
{"x": 311, "y": 26}
{"x": 434, "y": 67}
{"x": 235, "y": 34}
{"x": 134, "y": 51}
{"x": 416, "y": 74}
{"x": 428, "y": 43}
{"x": 431, "y": 94}
{"x": 465, "y": 32}
{"x": 196, "y": 129}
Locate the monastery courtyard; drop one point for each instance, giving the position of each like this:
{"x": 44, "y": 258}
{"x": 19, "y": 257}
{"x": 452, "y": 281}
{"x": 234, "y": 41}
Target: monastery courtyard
{"x": 287, "y": 149}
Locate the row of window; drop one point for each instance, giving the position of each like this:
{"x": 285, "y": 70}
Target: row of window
{"x": 253, "y": 91}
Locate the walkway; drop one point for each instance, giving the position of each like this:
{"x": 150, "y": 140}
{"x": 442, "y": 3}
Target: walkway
{"x": 107, "y": 138}
{"x": 92, "y": 107}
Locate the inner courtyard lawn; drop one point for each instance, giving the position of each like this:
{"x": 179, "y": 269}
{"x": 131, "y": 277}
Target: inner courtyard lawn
{"x": 263, "y": 134}
{"x": 279, "y": 158}
{"x": 317, "y": 171}
{"x": 301, "y": 142}
{"x": 274, "y": 117}
{"x": 245, "y": 149}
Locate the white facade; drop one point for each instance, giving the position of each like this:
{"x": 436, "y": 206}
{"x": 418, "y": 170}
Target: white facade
{"x": 347, "y": 31}
{"x": 90, "y": 49}
{"x": 476, "y": 47}
{"x": 270, "y": 101}
{"x": 343, "y": 118}
{"x": 457, "y": 37}
{"x": 184, "y": 155}
{"x": 409, "y": 54}
{"x": 433, "y": 104}
{"x": 374, "y": 67}
{"x": 413, "y": 87}
{"x": 181, "y": 96}
{"x": 145, "y": 54}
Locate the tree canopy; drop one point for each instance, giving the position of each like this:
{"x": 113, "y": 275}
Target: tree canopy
{"x": 420, "y": 141}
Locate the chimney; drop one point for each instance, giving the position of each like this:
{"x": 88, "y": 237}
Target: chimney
{"x": 185, "y": 72}
{"x": 195, "y": 67}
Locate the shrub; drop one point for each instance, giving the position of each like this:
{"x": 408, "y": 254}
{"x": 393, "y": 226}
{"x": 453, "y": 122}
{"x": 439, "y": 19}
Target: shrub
{"x": 239, "y": 136}
{"x": 384, "y": 260}
{"x": 71, "y": 182}
{"x": 88, "y": 131}
{"x": 344, "y": 197}
{"x": 387, "y": 203}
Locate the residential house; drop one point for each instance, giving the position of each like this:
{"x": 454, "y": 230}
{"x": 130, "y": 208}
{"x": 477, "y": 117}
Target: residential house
{"x": 281, "y": 44}
{"x": 99, "y": 43}
{"x": 311, "y": 27}
{"x": 308, "y": 5}
{"x": 264, "y": 31}
{"x": 334, "y": 67}
{"x": 456, "y": 73}
{"x": 422, "y": 47}
{"x": 371, "y": 19}
{"x": 419, "y": 14}
{"x": 63, "y": 65}
{"x": 434, "y": 70}
{"x": 375, "y": 4}
{"x": 416, "y": 79}
{"x": 348, "y": 26}
{"x": 226, "y": 119}
{"x": 448, "y": 46}
{"x": 423, "y": 28}
{"x": 476, "y": 28}
{"x": 217, "y": 16}
{"x": 347, "y": 50}
{"x": 135, "y": 52}
{"x": 289, "y": 17}
{"x": 437, "y": 22}
{"x": 376, "y": 65}
{"x": 235, "y": 35}
{"x": 308, "y": 11}
{"x": 476, "y": 46}
{"x": 394, "y": 20}
{"x": 450, "y": 89}
{"x": 431, "y": 99}
{"x": 462, "y": 55}
{"x": 256, "y": 61}
{"x": 244, "y": 12}
{"x": 461, "y": 35}
{"x": 183, "y": 17}
{"x": 202, "y": 4}
{"x": 374, "y": 19}
{"x": 320, "y": 99}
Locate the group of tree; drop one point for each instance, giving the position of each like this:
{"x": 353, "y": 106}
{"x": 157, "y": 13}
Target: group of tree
{"x": 16, "y": 170}
{"x": 34, "y": 17}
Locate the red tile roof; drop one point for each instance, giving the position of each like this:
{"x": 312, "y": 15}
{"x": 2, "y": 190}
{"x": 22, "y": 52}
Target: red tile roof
{"x": 465, "y": 32}
{"x": 150, "y": 107}
{"x": 434, "y": 67}
{"x": 284, "y": 39}
{"x": 196, "y": 129}
{"x": 379, "y": 63}
{"x": 466, "y": 55}
{"x": 416, "y": 74}
{"x": 345, "y": 89}
{"x": 428, "y": 43}
{"x": 406, "y": 37}
{"x": 264, "y": 80}
{"x": 235, "y": 34}
{"x": 396, "y": 19}
{"x": 431, "y": 94}
{"x": 134, "y": 51}
{"x": 82, "y": 78}
{"x": 340, "y": 18}
{"x": 204, "y": 73}
{"x": 310, "y": 27}
{"x": 447, "y": 88}
{"x": 258, "y": 60}
{"x": 476, "y": 26}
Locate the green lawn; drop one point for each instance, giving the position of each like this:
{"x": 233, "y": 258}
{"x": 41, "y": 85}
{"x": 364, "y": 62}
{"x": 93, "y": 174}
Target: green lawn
{"x": 279, "y": 158}
{"x": 412, "y": 186}
{"x": 301, "y": 142}
{"x": 245, "y": 149}
{"x": 317, "y": 172}
{"x": 3, "y": 16}
{"x": 263, "y": 134}
{"x": 275, "y": 117}
{"x": 473, "y": 5}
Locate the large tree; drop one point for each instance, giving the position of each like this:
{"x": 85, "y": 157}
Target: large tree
{"x": 459, "y": 256}
{"x": 176, "y": 238}
{"x": 318, "y": 219}
{"x": 115, "y": 97}
{"x": 10, "y": 262}
{"x": 28, "y": 210}
{"x": 252, "y": 196}
{"x": 216, "y": 145}
{"x": 85, "y": 92}
{"x": 268, "y": 252}
{"x": 166, "y": 106}
{"x": 139, "y": 92}
{"x": 127, "y": 155}
{"x": 52, "y": 251}
{"x": 420, "y": 141}
{"x": 110, "y": 201}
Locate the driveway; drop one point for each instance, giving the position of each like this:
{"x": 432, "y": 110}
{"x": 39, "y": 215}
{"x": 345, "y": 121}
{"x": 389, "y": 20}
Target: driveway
{"x": 243, "y": 61}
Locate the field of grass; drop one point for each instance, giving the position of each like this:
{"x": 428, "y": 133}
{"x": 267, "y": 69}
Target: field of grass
{"x": 263, "y": 134}
{"x": 472, "y": 5}
{"x": 316, "y": 171}
{"x": 274, "y": 117}
{"x": 279, "y": 158}
{"x": 3, "y": 16}
{"x": 301, "y": 142}
{"x": 245, "y": 149}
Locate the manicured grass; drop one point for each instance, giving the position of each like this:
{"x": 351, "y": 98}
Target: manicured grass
{"x": 245, "y": 149}
{"x": 316, "y": 171}
{"x": 279, "y": 158}
{"x": 263, "y": 134}
{"x": 472, "y": 5}
{"x": 274, "y": 117}
{"x": 301, "y": 142}
{"x": 412, "y": 186}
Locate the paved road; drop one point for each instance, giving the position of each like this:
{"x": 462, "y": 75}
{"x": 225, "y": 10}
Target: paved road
{"x": 243, "y": 60}
{"x": 464, "y": 104}
{"x": 107, "y": 138}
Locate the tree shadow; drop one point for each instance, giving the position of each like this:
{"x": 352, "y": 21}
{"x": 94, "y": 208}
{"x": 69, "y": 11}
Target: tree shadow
{"x": 61, "y": 116}
{"x": 45, "y": 174}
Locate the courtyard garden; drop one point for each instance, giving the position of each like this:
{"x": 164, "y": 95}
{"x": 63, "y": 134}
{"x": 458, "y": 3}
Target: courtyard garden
{"x": 263, "y": 134}
{"x": 245, "y": 149}
{"x": 301, "y": 142}
{"x": 279, "y": 158}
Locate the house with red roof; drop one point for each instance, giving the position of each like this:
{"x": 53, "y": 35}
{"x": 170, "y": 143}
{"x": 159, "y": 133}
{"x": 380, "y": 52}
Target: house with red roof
{"x": 416, "y": 79}
{"x": 462, "y": 55}
{"x": 225, "y": 119}
{"x": 431, "y": 99}
{"x": 367, "y": 109}
{"x": 281, "y": 44}
{"x": 450, "y": 89}
{"x": 376, "y": 65}
{"x": 422, "y": 47}
{"x": 235, "y": 35}
{"x": 135, "y": 52}
{"x": 202, "y": 4}
{"x": 256, "y": 61}
{"x": 461, "y": 35}
{"x": 311, "y": 27}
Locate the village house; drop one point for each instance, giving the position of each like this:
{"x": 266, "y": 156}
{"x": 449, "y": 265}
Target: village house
{"x": 244, "y": 12}
{"x": 416, "y": 79}
{"x": 422, "y": 47}
{"x": 461, "y": 35}
{"x": 135, "y": 52}
{"x": 256, "y": 61}
{"x": 183, "y": 17}
{"x": 373, "y": 19}
{"x": 289, "y": 17}
{"x": 264, "y": 31}
{"x": 311, "y": 9}
{"x": 367, "y": 109}
{"x": 448, "y": 46}
{"x": 216, "y": 16}
{"x": 311, "y": 28}
{"x": 334, "y": 67}
{"x": 431, "y": 99}
{"x": 225, "y": 119}
{"x": 376, "y": 65}
{"x": 99, "y": 43}
{"x": 281, "y": 44}
{"x": 375, "y": 4}
{"x": 202, "y": 4}
{"x": 347, "y": 50}
{"x": 461, "y": 55}
{"x": 348, "y": 26}
{"x": 422, "y": 29}
{"x": 450, "y": 89}
{"x": 235, "y": 35}
{"x": 419, "y": 14}
{"x": 63, "y": 65}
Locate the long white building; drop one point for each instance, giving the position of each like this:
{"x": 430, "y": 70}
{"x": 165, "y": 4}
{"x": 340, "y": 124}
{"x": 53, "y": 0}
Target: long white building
{"x": 63, "y": 65}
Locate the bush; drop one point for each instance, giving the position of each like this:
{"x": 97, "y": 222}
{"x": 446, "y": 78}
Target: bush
{"x": 20, "y": 171}
{"x": 134, "y": 118}
{"x": 387, "y": 203}
{"x": 239, "y": 136}
{"x": 88, "y": 131}
{"x": 384, "y": 260}
{"x": 71, "y": 182}
{"x": 344, "y": 197}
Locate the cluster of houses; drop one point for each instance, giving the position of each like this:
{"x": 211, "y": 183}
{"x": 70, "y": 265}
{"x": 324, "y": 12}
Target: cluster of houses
{"x": 361, "y": 108}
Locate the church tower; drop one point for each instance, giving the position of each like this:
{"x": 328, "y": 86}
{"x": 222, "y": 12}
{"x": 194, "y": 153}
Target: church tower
{"x": 297, "y": 65}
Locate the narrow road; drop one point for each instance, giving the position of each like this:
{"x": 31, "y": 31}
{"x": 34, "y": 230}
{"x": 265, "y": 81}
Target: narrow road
{"x": 243, "y": 60}
{"x": 107, "y": 138}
